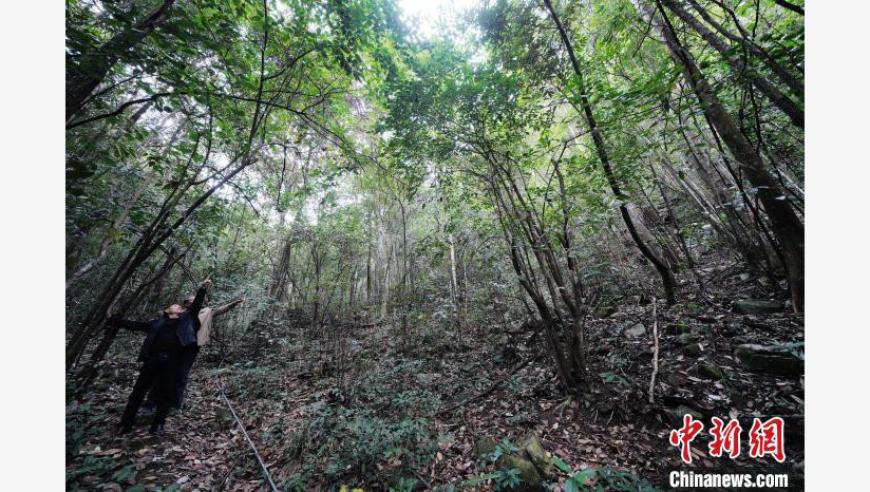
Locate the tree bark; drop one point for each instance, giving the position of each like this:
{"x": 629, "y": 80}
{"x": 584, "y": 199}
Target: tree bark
{"x": 790, "y": 6}
{"x": 93, "y": 67}
{"x": 780, "y": 100}
{"x": 787, "y": 227}
{"x": 454, "y": 285}
{"x": 109, "y": 238}
{"x": 664, "y": 272}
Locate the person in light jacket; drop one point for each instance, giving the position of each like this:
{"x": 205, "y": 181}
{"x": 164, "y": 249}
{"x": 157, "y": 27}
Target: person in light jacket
{"x": 188, "y": 354}
{"x": 167, "y": 336}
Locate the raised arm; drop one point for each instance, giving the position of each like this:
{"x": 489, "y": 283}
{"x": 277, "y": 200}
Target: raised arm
{"x": 226, "y": 307}
{"x": 129, "y": 324}
{"x": 200, "y": 297}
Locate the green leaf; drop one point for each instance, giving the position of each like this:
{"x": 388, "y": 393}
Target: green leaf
{"x": 475, "y": 481}
{"x": 125, "y": 474}
{"x": 582, "y": 477}
{"x": 571, "y": 486}
{"x": 561, "y": 465}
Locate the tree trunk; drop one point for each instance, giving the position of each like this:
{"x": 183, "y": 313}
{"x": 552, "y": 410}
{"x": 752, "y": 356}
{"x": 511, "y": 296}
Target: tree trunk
{"x": 780, "y": 100}
{"x": 787, "y": 227}
{"x": 93, "y": 67}
{"x": 87, "y": 375}
{"x": 109, "y": 238}
{"x": 664, "y": 272}
{"x": 793, "y": 83}
{"x": 454, "y": 286}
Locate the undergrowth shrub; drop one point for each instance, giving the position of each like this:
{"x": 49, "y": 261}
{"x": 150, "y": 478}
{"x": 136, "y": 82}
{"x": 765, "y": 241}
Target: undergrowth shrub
{"x": 353, "y": 444}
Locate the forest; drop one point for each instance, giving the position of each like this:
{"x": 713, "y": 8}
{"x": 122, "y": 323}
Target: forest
{"x": 482, "y": 245}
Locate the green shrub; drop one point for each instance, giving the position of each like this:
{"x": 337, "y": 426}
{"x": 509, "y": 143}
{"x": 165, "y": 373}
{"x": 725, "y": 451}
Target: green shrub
{"x": 353, "y": 443}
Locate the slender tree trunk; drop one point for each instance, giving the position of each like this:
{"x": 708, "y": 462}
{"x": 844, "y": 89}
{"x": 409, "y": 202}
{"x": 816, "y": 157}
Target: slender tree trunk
{"x": 569, "y": 369}
{"x": 780, "y": 100}
{"x": 793, "y": 83}
{"x": 369, "y": 272}
{"x": 109, "y": 238}
{"x": 667, "y": 277}
{"x": 90, "y": 371}
{"x": 787, "y": 227}
{"x": 454, "y": 286}
{"x": 385, "y": 292}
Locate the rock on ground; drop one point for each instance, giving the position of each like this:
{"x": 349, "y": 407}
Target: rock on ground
{"x": 636, "y": 331}
{"x": 779, "y": 359}
{"x": 530, "y": 479}
{"x": 757, "y": 307}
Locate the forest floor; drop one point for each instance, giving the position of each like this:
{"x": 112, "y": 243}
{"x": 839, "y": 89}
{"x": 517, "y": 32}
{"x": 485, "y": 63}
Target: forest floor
{"x": 362, "y": 410}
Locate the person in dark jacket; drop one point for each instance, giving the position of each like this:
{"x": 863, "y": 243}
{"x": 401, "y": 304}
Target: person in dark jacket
{"x": 166, "y": 338}
{"x": 205, "y": 319}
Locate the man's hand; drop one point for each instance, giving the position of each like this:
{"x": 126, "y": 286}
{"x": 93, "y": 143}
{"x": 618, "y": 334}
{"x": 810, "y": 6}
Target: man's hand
{"x": 206, "y": 283}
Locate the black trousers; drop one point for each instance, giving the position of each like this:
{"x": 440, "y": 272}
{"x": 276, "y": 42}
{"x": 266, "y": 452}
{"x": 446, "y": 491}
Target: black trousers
{"x": 160, "y": 371}
{"x": 186, "y": 359}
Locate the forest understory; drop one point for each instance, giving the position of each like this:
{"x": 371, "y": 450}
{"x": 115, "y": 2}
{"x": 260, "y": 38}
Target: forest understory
{"x": 510, "y": 246}
{"x": 373, "y": 416}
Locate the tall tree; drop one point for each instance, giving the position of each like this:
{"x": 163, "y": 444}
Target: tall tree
{"x": 665, "y": 273}
{"x": 786, "y": 225}
{"x": 740, "y": 67}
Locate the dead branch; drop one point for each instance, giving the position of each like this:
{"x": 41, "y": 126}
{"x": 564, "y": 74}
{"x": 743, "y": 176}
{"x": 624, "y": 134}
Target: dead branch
{"x": 655, "y": 361}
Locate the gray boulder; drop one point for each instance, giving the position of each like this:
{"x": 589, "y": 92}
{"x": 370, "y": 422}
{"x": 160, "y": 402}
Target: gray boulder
{"x": 688, "y": 339}
{"x": 693, "y": 350}
{"x": 691, "y": 344}
{"x": 534, "y": 450}
{"x": 711, "y": 371}
{"x": 757, "y": 307}
{"x": 530, "y": 479}
{"x": 531, "y": 461}
{"x": 636, "y": 331}
{"x": 785, "y": 359}
{"x": 483, "y": 448}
